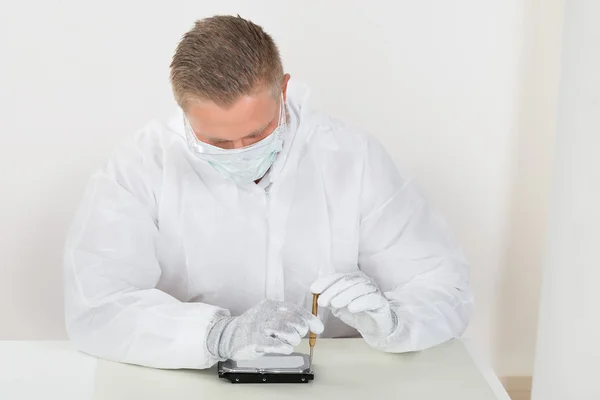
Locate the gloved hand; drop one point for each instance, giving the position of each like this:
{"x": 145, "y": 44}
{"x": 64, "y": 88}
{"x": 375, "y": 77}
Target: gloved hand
{"x": 357, "y": 300}
{"x": 269, "y": 327}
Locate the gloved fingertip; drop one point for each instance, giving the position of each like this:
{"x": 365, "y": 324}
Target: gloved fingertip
{"x": 303, "y": 330}
{"x": 372, "y": 303}
{"x": 315, "y": 288}
{"x": 322, "y": 283}
{"x": 323, "y": 302}
{"x": 317, "y": 326}
{"x": 354, "y": 310}
{"x": 337, "y": 303}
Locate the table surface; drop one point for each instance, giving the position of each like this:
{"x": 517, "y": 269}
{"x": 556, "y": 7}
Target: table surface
{"x": 344, "y": 368}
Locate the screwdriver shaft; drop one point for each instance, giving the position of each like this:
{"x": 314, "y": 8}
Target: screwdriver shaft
{"x": 312, "y": 337}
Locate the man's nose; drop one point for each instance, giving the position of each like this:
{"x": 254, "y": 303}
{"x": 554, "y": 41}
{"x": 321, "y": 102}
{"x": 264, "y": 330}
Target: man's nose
{"x": 238, "y": 144}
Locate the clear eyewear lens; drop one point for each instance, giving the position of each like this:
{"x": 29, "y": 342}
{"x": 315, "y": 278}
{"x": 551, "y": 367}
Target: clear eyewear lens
{"x": 204, "y": 148}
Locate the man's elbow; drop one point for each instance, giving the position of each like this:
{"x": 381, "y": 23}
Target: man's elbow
{"x": 87, "y": 332}
{"x": 80, "y": 334}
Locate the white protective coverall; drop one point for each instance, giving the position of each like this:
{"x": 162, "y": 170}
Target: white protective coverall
{"x": 163, "y": 245}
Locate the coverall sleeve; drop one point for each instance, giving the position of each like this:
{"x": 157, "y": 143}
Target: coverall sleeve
{"x": 408, "y": 249}
{"x": 113, "y": 309}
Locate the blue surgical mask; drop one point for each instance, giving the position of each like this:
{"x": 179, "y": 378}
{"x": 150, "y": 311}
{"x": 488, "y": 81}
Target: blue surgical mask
{"x": 244, "y": 165}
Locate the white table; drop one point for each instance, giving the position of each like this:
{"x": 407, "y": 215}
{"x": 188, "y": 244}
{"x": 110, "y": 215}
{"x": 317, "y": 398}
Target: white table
{"x": 344, "y": 368}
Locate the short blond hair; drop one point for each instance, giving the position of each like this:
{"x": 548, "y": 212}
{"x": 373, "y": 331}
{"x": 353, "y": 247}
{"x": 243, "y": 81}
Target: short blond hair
{"x": 223, "y": 58}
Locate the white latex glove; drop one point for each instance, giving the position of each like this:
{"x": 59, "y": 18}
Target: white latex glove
{"x": 269, "y": 327}
{"x": 357, "y": 300}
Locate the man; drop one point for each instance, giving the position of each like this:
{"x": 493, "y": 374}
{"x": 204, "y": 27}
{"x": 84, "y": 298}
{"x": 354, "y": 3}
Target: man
{"x": 203, "y": 238}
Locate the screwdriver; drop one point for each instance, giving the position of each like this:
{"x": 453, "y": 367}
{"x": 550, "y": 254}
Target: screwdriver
{"x": 312, "y": 337}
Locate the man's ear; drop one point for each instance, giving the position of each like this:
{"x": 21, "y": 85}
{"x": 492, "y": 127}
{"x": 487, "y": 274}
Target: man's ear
{"x": 286, "y": 79}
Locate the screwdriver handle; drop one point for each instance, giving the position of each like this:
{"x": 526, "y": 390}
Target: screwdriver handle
{"x": 312, "y": 337}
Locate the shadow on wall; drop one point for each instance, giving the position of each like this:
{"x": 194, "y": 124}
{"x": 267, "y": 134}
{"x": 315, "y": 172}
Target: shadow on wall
{"x": 530, "y": 182}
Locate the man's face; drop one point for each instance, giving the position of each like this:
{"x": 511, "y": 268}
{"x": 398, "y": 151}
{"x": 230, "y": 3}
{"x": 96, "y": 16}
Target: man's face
{"x": 249, "y": 120}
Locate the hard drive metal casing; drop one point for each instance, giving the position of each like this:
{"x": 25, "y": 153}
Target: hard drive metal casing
{"x": 236, "y": 373}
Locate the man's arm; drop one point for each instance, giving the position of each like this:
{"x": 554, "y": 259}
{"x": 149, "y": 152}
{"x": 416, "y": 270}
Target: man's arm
{"x": 113, "y": 309}
{"x": 407, "y": 247}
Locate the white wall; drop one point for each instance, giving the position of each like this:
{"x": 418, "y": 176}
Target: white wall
{"x": 568, "y": 349}
{"x": 531, "y": 172}
{"x": 439, "y": 82}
